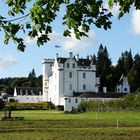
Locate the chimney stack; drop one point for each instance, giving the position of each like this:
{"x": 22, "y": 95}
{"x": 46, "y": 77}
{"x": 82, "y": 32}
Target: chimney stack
{"x": 77, "y": 57}
{"x": 71, "y": 55}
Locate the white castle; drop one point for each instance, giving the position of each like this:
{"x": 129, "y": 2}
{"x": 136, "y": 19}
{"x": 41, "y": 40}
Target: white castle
{"x": 68, "y": 82}
{"x": 66, "y": 78}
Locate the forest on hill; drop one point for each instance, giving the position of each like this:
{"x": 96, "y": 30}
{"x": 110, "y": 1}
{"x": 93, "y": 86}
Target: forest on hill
{"x": 109, "y": 74}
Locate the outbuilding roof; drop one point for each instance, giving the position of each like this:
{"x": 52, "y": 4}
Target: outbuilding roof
{"x": 29, "y": 90}
{"x": 99, "y": 95}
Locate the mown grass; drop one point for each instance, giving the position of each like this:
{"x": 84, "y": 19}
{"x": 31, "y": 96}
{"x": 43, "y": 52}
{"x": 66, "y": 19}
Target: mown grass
{"x": 44, "y": 125}
{"x": 59, "y": 115}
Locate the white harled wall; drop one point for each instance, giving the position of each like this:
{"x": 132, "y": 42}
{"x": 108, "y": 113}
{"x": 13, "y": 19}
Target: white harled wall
{"x": 124, "y": 87}
{"x": 89, "y": 81}
{"x": 57, "y": 82}
{"x": 47, "y": 72}
{"x": 70, "y": 83}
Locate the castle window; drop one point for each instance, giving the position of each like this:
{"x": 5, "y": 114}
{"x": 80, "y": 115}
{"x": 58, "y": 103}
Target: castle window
{"x": 73, "y": 65}
{"x": 70, "y": 75}
{"x": 125, "y": 89}
{"x": 84, "y": 87}
{"x": 68, "y": 65}
{"x": 84, "y": 75}
{"x": 70, "y": 86}
{"x": 69, "y": 100}
{"x": 83, "y": 100}
{"x": 76, "y": 100}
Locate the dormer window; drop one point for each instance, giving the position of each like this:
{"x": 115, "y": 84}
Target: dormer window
{"x": 32, "y": 93}
{"x": 21, "y": 92}
{"x": 26, "y": 92}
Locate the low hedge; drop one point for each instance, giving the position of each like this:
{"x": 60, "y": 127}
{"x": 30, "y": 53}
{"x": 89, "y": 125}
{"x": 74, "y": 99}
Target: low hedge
{"x": 30, "y": 106}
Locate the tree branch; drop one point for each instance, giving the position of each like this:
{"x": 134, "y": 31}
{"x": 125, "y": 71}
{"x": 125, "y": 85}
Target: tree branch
{"x": 25, "y": 16}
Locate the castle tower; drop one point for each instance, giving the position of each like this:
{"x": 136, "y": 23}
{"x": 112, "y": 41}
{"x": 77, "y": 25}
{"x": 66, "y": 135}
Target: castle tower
{"x": 47, "y": 72}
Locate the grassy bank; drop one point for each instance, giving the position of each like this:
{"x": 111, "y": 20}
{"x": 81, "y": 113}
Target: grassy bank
{"x": 43, "y": 125}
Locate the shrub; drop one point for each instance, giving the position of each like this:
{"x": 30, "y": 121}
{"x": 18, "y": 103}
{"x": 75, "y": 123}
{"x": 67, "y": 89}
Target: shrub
{"x": 130, "y": 102}
{"x": 60, "y": 107}
{"x": 2, "y": 104}
{"x": 30, "y": 106}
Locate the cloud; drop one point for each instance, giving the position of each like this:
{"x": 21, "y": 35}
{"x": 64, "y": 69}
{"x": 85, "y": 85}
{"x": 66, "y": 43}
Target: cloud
{"x": 73, "y": 44}
{"x": 69, "y": 43}
{"x": 30, "y": 40}
{"x": 114, "y": 10}
{"x": 135, "y": 22}
{"x": 7, "y": 61}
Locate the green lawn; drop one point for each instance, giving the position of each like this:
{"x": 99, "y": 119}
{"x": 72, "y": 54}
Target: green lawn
{"x": 58, "y": 115}
{"x": 43, "y": 125}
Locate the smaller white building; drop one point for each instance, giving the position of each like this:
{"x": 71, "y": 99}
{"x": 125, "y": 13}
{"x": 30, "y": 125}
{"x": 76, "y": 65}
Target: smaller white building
{"x": 28, "y": 94}
{"x": 5, "y": 96}
{"x": 123, "y": 86}
{"x": 73, "y": 102}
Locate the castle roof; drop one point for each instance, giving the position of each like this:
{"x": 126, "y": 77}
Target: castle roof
{"x": 61, "y": 60}
{"x": 84, "y": 62}
{"x": 80, "y": 62}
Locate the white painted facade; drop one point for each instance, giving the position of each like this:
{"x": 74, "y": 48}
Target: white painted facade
{"x": 70, "y": 102}
{"x": 123, "y": 86}
{"x": 62, "y": 77}
{"x": 27, "y": 95}
{"x": 28, "y": 99}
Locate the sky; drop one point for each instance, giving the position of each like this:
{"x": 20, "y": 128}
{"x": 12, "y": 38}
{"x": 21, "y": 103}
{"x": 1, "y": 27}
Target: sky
{"x": 124, "y": 35}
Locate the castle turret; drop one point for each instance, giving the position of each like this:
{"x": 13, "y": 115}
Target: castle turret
{"x": 47, "y": 72}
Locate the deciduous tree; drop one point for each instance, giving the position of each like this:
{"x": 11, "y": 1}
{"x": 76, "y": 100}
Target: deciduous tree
{"x": 79, "y": 16}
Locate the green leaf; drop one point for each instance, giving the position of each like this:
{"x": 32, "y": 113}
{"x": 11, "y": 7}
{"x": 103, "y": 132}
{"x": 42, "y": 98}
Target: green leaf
{"x": 67, "y": 33}
{"x": 28, "y": 25}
